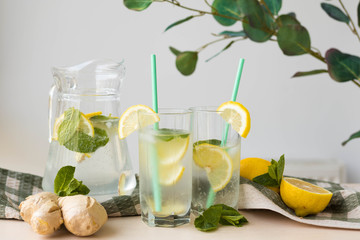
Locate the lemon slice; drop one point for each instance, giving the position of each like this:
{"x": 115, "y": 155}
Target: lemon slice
{"x": 90, "y": 115}
{"x": 131, "y": 119}
{"x": 168, "y": 208}
{"x": 121, "y": 185}
{"x": 237, "y": 115}
{"x": 171, "y": 152}
{"x": 170, "y": 174}
{"x": 85, "y": 126}
{"x": 216, "y": 162}
{"x": 305, "y": 198}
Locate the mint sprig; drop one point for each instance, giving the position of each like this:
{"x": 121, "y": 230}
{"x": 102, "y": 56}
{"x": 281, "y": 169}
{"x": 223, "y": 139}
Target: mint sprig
{"x": 219, "y": 214}
{"x": 66, "y": 185}
{"x": 274, "y": 175}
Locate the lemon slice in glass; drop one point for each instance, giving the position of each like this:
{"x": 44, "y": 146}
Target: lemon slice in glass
{"x": 305, "y": 198}
{"x": 132, "y": 119}
{"x": 170, "y": 174}
{"x": 216, "y": 162}
{"x": 237, "y": 116}
{"x": 172, "y": 151}
{"x": 85, "y": 125}
{"x": 90, "y": 115}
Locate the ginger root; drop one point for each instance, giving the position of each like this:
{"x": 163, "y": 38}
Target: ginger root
{"x": 83, "y": 215}
{"x": 46, "y": 212}
{"x": 42, "y": 212}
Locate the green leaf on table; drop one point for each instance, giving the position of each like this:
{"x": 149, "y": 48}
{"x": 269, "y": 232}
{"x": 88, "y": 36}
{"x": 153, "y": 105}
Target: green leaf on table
{"x": 335, "y": 12}
{"x": 69, "y": 125}
{"x": 274, "y": 6}
{"x": 228, "y": 8}
{"x": 179, "y": 22}
{"x": 308, "y": 73}
{"x": 219, "y": 214}
{"x": 233, "y": 34}
{"x": 66, "y": 185}
{"x": 342, "y": 67}
{"x": 353, "y": 136}
{"x": 186, "y": 62}
{"x": 222, "y": 50}
{"x": 137, "y": 5}
{"x": 293, "y": 40}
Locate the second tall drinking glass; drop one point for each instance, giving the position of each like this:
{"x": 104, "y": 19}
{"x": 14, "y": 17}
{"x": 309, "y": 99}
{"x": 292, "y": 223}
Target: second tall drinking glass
{"x": 165, "y": 155}
{"x": 216, "y": 160}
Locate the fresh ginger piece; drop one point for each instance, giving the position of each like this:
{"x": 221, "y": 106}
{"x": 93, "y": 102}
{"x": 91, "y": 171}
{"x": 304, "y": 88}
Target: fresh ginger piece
{"x": 83, "y": 215}
{"x": 42, "y": 212}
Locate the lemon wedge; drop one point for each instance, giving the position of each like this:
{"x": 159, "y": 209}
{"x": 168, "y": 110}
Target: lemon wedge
{"x": 237, "y": 116}
{"x": 305, "y": 198}
{"x": 216, "y": 162}
{"x": 171, "y": 152}
{"x": 132, "y": 119}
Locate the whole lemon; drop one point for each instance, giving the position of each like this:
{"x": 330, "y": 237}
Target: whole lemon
{"x": 253, "y": 167}
{"x": 305, "y": 198}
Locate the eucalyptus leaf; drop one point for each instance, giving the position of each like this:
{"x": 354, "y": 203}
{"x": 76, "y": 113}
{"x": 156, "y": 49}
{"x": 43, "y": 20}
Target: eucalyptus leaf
{"x": 222, "y": 50}
{"x": 342, "y": 67}
{"x": 308, "y": 73}
{"x": 294, "y": 40}
{"x": 335, "y": 12}
{"x": 353, "y": 136}
{"x": 233, "y": 34}
{"x": 227, "y": 8}
{"x": 137, "y": 5}
{"x": 174, "y": 51}
{"x": 178, "y": 22}
{"x": 256, "y": 34}
{"x": 287, "y": 19}
{"x": 254, "y": 13}
{"x": 186, "y": 62}
{"x": 274, "y": 6}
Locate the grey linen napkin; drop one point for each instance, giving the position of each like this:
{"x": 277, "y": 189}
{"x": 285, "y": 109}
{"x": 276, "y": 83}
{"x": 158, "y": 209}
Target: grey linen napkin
{"x": 342, "y": 212}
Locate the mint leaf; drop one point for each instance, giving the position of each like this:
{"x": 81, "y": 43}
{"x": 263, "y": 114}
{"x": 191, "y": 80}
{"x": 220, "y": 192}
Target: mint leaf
{"x": 215, "y": 142}
{"x": 83, "y": 143}
{"x": 63, "y": 178}
{"x": 219, "y": 214}
{"x": 167, "y": 135}
{"x": 69, "y": 125}
{"x": 274, "y": 175}
{"x": 66, "y": 185}
{"x": 280, "y": 168}
{"x": 266, "y": 180}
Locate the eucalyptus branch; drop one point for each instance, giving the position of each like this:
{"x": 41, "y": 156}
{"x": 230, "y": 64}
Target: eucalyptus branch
{"x": 268, "y": 10}
{"x": 207, "y": 3}
{"x": 351, "y": 25}
{"x": 216, "y": 41}
{"x": 356, "y": 83}
{"x": 176, "y": 3}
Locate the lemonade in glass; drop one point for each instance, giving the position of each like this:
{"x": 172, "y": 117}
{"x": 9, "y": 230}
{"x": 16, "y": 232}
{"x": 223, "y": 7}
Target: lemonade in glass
{"x": 165, "y": 156}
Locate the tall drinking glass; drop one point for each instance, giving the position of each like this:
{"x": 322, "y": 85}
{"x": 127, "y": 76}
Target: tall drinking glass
{"x": 165, "y": 155}
{"x": 216, "y": 160}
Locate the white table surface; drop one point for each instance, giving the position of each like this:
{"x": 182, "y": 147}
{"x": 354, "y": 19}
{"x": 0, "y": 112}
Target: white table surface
{"x": 263, "y": 224}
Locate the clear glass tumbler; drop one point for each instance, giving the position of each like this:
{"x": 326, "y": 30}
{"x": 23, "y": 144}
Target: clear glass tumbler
{"x": 216, "y": 160}
{"x": 165, "y": 155}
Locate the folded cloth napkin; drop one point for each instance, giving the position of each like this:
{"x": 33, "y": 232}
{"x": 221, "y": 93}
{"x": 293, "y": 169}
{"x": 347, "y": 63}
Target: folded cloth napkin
{"x": 343, "y": 210}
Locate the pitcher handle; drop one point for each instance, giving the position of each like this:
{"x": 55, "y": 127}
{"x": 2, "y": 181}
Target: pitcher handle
{"x": 51, "y": 95}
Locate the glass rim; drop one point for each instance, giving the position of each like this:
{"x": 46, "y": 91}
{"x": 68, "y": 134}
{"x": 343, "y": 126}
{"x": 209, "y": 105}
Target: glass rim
{"x": 205, "y": 109}
{"x": 170, "y": 111}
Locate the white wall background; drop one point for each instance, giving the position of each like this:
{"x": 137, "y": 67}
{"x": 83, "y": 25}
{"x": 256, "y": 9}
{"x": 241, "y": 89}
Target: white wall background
{"x": 305, "y": 118}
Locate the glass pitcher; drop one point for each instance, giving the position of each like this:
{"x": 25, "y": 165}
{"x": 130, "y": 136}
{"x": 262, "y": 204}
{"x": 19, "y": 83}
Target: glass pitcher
{"x": 84, "y": 112}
